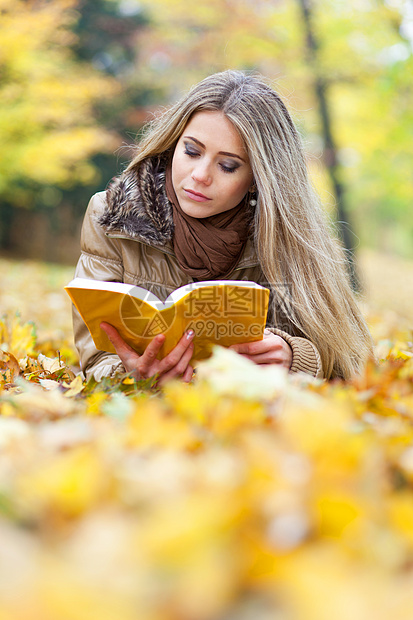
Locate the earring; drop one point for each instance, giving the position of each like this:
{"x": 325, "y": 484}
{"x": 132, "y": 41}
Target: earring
{"x": 253, "y": 196}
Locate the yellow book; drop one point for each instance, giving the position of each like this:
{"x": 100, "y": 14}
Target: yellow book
{"x": 221, "y": 312}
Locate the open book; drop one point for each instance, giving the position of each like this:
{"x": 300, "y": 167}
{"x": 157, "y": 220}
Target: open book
{"x": 221, "y": 312}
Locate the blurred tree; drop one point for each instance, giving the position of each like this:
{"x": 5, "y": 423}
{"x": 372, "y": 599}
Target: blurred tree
{"x": 107, "y": 34}
{"x": 366, "y": 59}
{"x": 47, "y": 126}
{"x": 107, "y": 39}
{"x": 70, "y": 98}
{"x": 330, "y": 149}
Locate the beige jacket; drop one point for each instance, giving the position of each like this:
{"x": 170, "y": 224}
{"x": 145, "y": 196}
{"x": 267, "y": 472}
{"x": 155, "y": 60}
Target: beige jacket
{"x": 125, "y": 239}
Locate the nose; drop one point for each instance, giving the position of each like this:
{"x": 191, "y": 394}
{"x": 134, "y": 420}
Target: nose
{"x": 201, "y": 172}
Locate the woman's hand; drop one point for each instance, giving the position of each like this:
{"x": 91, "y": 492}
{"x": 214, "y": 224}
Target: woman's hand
{"x": 175, "y": 364}
{"x": 271, "y": 350}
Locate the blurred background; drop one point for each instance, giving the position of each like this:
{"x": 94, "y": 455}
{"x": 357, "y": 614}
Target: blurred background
{"x": 79, "y": 79}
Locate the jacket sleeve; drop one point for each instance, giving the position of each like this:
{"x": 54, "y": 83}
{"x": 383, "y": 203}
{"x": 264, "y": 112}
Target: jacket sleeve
{"x": 306, "y": 357}
{"x": 101, "y": 259}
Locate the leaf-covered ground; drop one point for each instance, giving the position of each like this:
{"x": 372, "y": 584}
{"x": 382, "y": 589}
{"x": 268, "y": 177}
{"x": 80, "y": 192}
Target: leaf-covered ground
{"x": 248, "y": 495}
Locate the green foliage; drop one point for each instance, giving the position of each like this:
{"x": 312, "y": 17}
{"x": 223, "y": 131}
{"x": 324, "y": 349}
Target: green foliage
{"x": 47, "y": 127}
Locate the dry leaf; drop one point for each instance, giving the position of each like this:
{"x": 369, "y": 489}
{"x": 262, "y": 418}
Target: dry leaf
{"x": 9, "y": 367}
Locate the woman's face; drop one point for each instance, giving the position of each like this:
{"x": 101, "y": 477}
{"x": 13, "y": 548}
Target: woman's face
{"x": 211, "y": 172}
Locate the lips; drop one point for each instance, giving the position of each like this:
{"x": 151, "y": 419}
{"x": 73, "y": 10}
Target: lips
{"x": 197, "y": 196}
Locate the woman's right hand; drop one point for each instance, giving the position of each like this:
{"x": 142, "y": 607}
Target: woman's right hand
{"x": 175, "y": 364}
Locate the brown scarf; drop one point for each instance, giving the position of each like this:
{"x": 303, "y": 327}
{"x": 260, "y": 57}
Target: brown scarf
{"x": 209, "y": 247}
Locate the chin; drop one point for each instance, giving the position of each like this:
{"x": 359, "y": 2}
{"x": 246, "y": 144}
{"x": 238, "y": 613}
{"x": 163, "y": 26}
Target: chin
{"x": 197, "y": 212}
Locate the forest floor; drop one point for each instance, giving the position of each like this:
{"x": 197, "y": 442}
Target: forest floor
{"x": 388, "y": 282}
{"x": 249, "y": 494}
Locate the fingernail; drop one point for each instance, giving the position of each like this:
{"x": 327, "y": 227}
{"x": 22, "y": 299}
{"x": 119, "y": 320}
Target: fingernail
{"x": 190, "y": 334}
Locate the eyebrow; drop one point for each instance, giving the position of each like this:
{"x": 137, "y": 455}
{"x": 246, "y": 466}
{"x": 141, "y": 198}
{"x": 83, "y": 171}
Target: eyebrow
{"x": 220, "y": 152}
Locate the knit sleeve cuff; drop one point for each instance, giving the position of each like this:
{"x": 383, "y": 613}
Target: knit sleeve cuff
{"x": 108, "y": 366}
{"x": 306, "y": 358}
{"x": 118, "y": 369}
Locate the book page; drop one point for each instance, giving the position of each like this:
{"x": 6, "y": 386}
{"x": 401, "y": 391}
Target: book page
{"x": 117, "y": 287}
{"x": 179, "y": 293}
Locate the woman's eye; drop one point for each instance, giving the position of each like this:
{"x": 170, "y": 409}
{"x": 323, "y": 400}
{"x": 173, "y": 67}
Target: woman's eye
{"x": 190, "y": 152}
{"x": 228, "y": 169}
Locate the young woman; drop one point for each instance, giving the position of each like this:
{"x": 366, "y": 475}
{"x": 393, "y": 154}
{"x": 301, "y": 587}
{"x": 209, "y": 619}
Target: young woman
{"x": 219, "y": 189}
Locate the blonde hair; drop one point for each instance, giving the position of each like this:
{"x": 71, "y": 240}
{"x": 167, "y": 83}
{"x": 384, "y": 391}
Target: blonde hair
{"x": 300, "y": 256}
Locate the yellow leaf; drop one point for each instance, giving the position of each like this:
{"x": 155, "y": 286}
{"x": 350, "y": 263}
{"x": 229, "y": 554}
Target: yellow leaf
{"x": 71, "y": 483}
{"x": 18, "y": 338}
{"x": 128, "y": 381}
{"x": 335, "y": 512}
{"x": 95, "y": 402}
{"x": 400, "y": 508}
{"x": 75, "y": 387}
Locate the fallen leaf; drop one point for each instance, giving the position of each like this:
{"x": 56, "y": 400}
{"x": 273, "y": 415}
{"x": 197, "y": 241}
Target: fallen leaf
{"x": 75, "y": 387}
{"x": 9, "y": 367}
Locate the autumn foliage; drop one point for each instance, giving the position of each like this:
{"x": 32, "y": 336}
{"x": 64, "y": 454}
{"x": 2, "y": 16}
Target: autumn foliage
{"x": 47, "y": 127}
{"x": 249, "y": 494}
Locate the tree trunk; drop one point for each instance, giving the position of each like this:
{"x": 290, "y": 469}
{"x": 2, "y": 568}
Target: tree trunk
{"x": 330, "y": 149}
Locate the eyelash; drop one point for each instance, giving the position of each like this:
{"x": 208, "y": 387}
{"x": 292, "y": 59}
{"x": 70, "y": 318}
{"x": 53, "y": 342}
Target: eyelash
{"x": 224, "y": 168}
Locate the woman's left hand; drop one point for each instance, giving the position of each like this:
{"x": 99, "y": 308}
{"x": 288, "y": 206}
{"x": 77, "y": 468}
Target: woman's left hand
{"x": 271, "y": 349}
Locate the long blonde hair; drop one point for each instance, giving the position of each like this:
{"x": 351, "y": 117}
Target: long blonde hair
{"x": 300, "y": 256}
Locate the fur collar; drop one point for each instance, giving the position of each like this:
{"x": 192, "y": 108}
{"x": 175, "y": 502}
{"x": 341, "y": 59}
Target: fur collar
{"x": 137, "y": 205}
